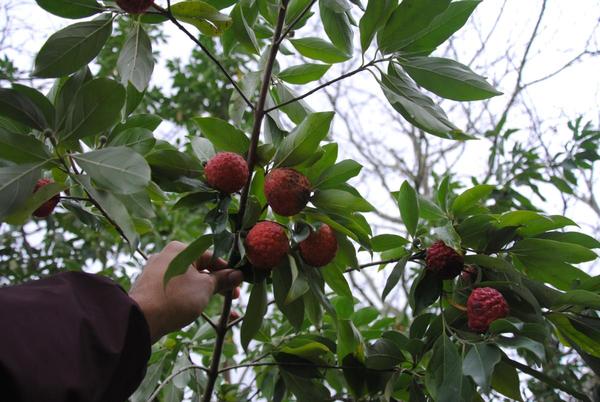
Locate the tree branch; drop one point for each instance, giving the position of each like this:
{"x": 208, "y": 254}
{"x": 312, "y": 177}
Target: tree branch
{"x": 295, "y": 21}
{"x": 259, "y": 113}
{"x": 173, "y": 375}
{"x": 293, "y": 364}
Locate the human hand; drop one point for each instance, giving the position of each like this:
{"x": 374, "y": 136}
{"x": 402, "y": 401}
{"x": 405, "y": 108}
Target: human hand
{"x": 186, "y": 296}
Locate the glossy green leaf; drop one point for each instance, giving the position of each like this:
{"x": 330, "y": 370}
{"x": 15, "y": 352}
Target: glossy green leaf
{"x": 301, "y": 143}
{"x": 394, "y": 278}
{"x": 139, "y": 139}
{"x": 442, "y": 26}
{"x": 340, "y": 201}
{"x": 70, "y": 8}
{"x": 408, "y": 22}
{"x": 319, "y": 49}
{"x": 20, "y": 108}
{"x": 118, "y": 169}
{"x": 425, "y": 290}
{"x": 479, "y": 363}
{"x": 135, "y": 63}
{"x": 417, "y": 108}
{"x": 255, "y": 312}
{"x": 71, "y": 48}
{"x": 338, "y": 174}
{"x": 16, "y": 185}
{"x": 538, "y": 249}
{"x": 304, "y": 73}
{"x": 202, "y": 15}
{"x": 24, "y": 211}
{"x": 506, "y": 381}
{"x": 20, "y": 148}
{"x": 96, "y": 107}
{"x": 444, "y": 373}
{"x": 374, "y": 18}
{"x": 409, "y": 207}
{"x": 115, "y": 210}
{"x": 572, "y": 237}
{"x": 223, "y": 135}
{"x": 337, "y": 26}
{"x": 470, "y": 197}
{"x": 40, "y": 100}
{"x": 448, "y": 79}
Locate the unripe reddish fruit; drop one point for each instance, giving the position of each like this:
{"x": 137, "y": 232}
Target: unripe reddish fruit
{"x": 135, "y": 6}
{"x": 47, "y": 207}
{"x": 266, "y": 245}
{"x": 227, "y": 172}
{"x": 319, "y": 248}
{"x": 484, "y": 306}
{"x": 233, "y": 315}
{"x": 287, "y": 191}
{"x": 443, "y": 260}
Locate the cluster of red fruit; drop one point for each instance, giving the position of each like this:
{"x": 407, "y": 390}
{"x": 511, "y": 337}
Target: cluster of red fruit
{"x": 484, "y": 305}
{"x": 287, "y": 192}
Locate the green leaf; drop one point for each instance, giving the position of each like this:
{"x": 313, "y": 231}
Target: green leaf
{"x": 147, "y": 121}
{"x": 448, "y": 79}
{"x": 319, "y": 49}
{"x": 480, "y": 362}
{"x": 16, "y": 185}
{"x": 282, "y": 282}
{"x": 578, "y": 297}
{"x": 337, "y": 26}
{"x": 115, "y": 210}
{"x": 71, "y": 48}
{"x": 71, "y": 9}
{"x": 203, "y": 16}
{"x": 139, "y": 139}
{"x": 385, "y": 242}
{"x": 417, "y": 108}
{"x": 340, "y": 201}
{"x": 20, "y": 148}
{"x": 338, "y": 174}
{"x": 506, "y": 381}
{"x": 43, "y": 194}
{"x": 383, "y": 355}
{"x": 444, "y": 373}
{"x": 374, "y": 18}
{"x": 408, "y": 22}
{"x": 40, "y": 100}
{"x": 223, "y": 135}
{"x": 96, "y": 107}
{"x": 523, "y": 343}
{"x": 135, "y": 63}
{"x": 118, "y": 169}
{"x": 571, "y": 237}
{"x": 243, "y": 17}
{"x": 538, "y": 249}
{"x": 589, "y": 344}
{"x": 335, "y": 279}
{"x": 299, "y": 284}
{"x": 394, "y": 278}
{"x": 425, "y": 290}
{"x": 256, "y": 310}
{"x": 203, "y": 148}
{"x": 409, "y": 207}
{"x": 182, "y": 261}
{"x": 304, "y": 73}
{"x": 298, "y": 110}
{"x": 301, "y": 143}
{"x": 20, "y": 108}
{"x": 470, "y": 197}
{"x": 442, "y": 26}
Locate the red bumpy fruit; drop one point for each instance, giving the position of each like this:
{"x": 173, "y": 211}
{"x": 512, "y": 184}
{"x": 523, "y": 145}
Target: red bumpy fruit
{"x": 266, "y": 245}
{"x": 484, "y": 306}
{"x": 287, "y": 191}
{"x": 135, "y": 6}
{"x": 319, "y": 248}
{"x": 444, "y": 260}
{"x": 47, "y": 207}
{"x": 227, "y": 172}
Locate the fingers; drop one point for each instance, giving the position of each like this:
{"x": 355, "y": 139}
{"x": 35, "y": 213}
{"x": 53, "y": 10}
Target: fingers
{"x": 206, "y": 262}
{"x": 227, "y": 279}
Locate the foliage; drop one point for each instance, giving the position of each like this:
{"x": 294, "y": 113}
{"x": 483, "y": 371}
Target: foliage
{"x": 123, "y": 182}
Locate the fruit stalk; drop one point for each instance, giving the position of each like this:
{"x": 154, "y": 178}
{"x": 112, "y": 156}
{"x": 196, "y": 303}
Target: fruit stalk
{"x": 259, "y": 113}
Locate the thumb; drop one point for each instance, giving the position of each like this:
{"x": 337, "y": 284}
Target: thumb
{"x": 227, "y": 279}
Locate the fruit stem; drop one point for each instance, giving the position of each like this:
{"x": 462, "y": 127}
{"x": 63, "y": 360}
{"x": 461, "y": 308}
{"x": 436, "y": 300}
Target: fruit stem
{"x": 259, "y": 114}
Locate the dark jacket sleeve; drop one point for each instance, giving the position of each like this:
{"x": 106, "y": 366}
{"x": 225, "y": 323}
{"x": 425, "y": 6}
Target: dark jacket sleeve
{"x": 73, "y": 337}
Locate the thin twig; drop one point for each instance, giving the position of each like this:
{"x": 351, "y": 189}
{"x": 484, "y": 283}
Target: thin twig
{"x": 328, "y": 83}
{"x": 167, "y": 13}
{"x": 209, "y": 321}
{"x": 173, "y": 375}
{"x": 235, "y": 322}
{"x": 289, "y": 28}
